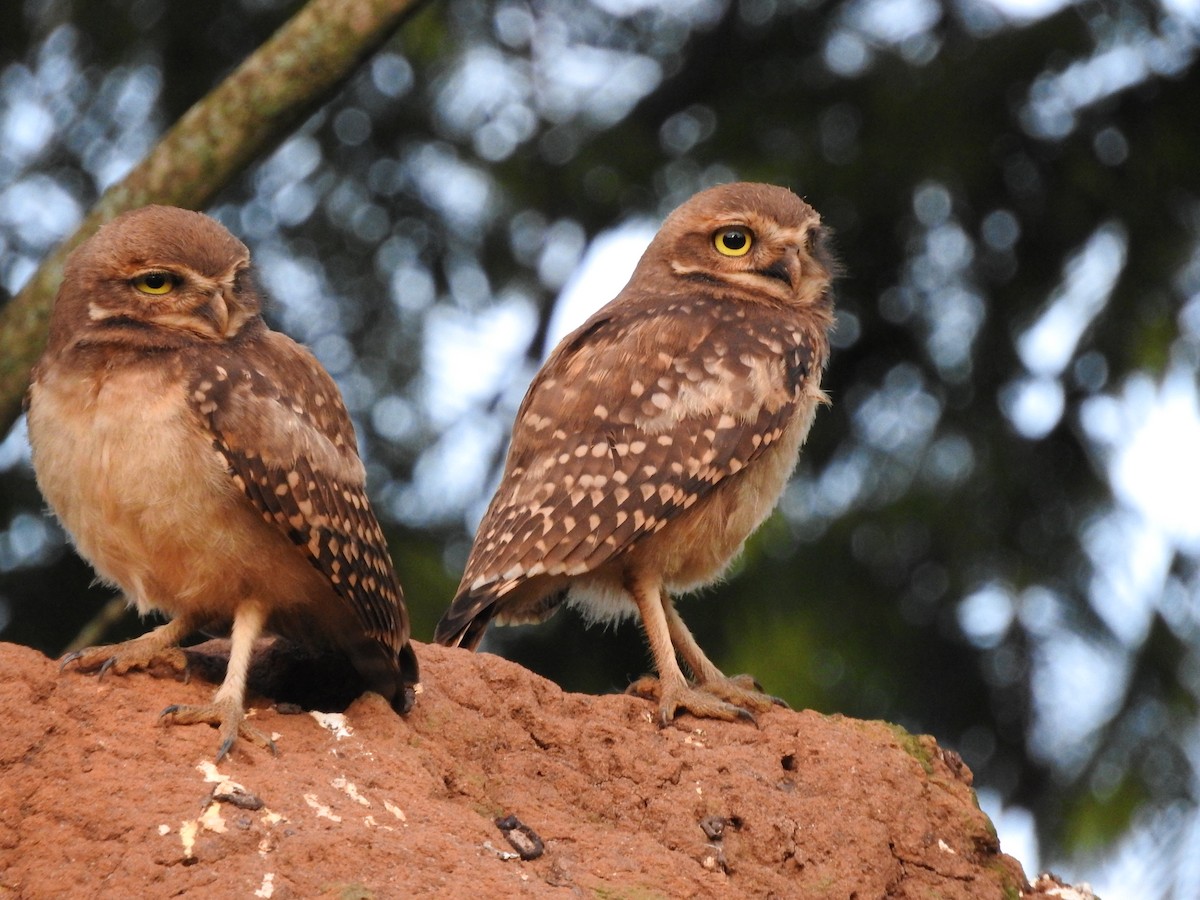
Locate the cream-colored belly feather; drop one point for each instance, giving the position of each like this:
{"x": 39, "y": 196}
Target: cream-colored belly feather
{"x": 150, "y": 506}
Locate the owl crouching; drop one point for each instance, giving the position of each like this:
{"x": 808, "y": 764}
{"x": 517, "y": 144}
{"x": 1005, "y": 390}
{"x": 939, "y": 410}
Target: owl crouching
{"x": 206, "y": 465}
{"x": 659, "y": 435}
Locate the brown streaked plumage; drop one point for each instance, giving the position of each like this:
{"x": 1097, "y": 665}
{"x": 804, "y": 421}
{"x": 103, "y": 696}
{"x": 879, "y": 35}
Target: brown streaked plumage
{"x": 206, "y": 465}
{"x": 659, "y": 435}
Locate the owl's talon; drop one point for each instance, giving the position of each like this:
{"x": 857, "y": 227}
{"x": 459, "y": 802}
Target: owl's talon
{"x": 703, "y": 705}
{"x": 227, "y": 745}
{"x": 695, "y": 699}
{"x": 227, "y": 716}
{"x": 746, "y": 716}
{"x": 753, "y": 686}
{"x": 152, "y": 650}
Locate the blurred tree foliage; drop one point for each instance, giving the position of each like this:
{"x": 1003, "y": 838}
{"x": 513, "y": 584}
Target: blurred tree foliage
{"x": 1015, "y": 203}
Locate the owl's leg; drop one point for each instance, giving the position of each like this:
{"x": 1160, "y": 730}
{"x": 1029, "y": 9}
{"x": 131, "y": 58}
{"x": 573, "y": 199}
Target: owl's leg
{"x": 157, "y": 647}
{"x": 740, "y": 690}
{"x": 228, "y": 708}
{"x": 671, "y": 688}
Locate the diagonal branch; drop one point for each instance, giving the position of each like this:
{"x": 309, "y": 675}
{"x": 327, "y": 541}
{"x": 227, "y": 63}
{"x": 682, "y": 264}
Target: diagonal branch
{"x": 247, "y": 114}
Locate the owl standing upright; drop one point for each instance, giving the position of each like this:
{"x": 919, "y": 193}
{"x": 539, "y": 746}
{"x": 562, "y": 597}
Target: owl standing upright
{"x": 659, "y": 435}
{"x": 206, "y": 465}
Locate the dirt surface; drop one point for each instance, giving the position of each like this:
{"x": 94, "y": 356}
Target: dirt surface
{"x": 98, "y": 800}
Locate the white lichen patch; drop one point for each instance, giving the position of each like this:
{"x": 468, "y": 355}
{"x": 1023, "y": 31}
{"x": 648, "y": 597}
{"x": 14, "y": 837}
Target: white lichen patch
{"x": 164, "y": 830}
{"x": 323, "y": 811}
{"x": 395, "y": 811}
{"x": 187, "y": 836}
{"x": 944, "y": 847}
{"x": 335, "y": 722}
{"x": 209, "y": 820}
{"x": 212, "y": 820}
{"x": 209, "y": 771}
{"x": 502, "y": 854}
{"x": 268, "y": 885}
{"x": 348, "y": 788}
{"x": 224, "y": 783}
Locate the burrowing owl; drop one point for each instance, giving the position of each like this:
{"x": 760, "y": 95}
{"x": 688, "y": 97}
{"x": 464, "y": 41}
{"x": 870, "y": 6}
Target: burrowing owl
{"x": 659, "y": 435}
{"x": 206, "y": 465}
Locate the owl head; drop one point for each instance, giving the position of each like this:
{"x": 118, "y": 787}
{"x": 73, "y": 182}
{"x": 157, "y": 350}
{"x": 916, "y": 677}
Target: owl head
{"x": 158, "y": 276}
{"x": 755, "y": 242}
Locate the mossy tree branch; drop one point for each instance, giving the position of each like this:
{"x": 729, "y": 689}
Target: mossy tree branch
{"x": 247, "y": 114}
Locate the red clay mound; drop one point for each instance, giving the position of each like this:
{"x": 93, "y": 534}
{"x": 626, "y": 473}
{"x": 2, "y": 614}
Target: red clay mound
{"x": 97, "y": 800}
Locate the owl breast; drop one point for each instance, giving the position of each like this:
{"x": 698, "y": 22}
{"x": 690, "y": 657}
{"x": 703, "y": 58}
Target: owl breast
{"x": 712, "y": 541}
{"x": 139, "y": 498}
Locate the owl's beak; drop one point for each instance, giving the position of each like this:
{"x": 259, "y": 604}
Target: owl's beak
{"x": 217, "y": 311}
{"x": 788, "y": 268}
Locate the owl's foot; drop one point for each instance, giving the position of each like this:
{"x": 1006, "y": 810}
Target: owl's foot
{"x": 727, "y": 701}
{"x": 147, "y": 652}
{"x": 743, "y": 691}
{"x": 229, "y": 718}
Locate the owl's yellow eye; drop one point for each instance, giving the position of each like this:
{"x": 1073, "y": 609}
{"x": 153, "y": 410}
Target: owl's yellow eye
{"x": 733, "y": 241}
{"x": 155, "y": 282}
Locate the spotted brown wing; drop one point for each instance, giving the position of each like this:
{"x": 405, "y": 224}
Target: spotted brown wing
{"x": 289, "y": 447}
